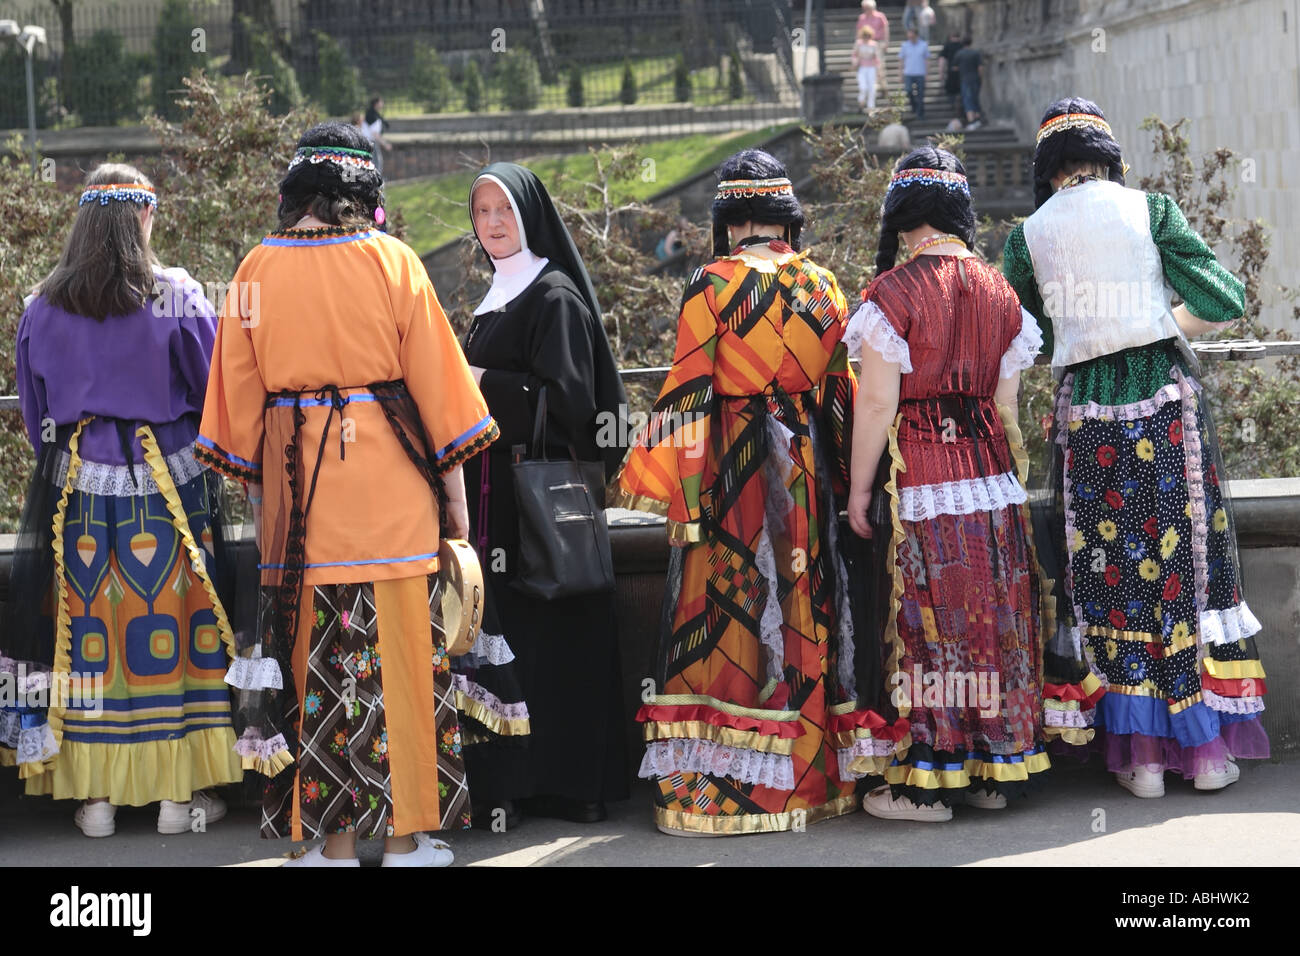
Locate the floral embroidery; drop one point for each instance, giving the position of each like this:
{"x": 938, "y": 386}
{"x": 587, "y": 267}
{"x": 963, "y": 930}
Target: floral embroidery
{"x": 366, "y": 662}
{"x": 1173, "y": 587}
{"x": 1176, "y": 431}
{"x": 1135, "y": 667}
{"x": 1149, "y": 526}
{"x": 340, "y": 742}
{"x": 1135, "y": 546}
{"x": 441, "y": 661}
{"x": 1112, "y": 575}
{"x": 320, "y": 618}
{"x": 313, "y": 790}
{"x": 1166, "y": 483}
{"x": 1086, "y": 490}
{"x": 1111, "y": 648}
{"x": 312, "y": 703}
{"x": 1220, "y": 520}
{"x": 1146, "y": 450}
{"x": 1117, "y": 619}
{"x": 1114, "y": 499}
{"x": 1132, "y": 429}
{"x": 1149, "y": 570}
{"x": 379, "y": 748}
{"x": 450, "y": 742}
{"x": 1180, "y": 631}
{"x": 1107, "y": 530}
{"x": 1106, "y": 455}
{"x": 345, "y": 618}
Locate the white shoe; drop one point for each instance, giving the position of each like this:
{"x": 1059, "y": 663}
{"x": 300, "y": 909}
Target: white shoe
{"x": 1142, "y": 782}
{"x": 986, "y": 801}
{"x": 880, "y": 803}
{"x": 1218, "y": 779}
{"x": 315, "y": 857}
{"x": 96, "y": 819}
{"x": 427, "y": 852}
{"x": 176, "y": 817}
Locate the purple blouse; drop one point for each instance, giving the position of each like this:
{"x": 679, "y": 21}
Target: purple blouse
{"x": 150, "y": 366}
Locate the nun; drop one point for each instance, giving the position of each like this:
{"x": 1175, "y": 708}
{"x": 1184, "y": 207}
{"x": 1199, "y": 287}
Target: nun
{"x": 539, "y": 326}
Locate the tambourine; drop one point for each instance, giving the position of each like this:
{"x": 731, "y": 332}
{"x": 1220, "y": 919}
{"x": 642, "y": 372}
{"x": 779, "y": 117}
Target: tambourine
{"x": 462, "y": 594}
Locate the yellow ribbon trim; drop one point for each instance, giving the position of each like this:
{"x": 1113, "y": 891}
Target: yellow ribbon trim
{"x": 891, "y": 637}
{"x": 167, "y": 488}
{"x": 721, "y": 825}
{"x": 620, "y": 498}
{"x": 1090, "y": 684}
{"x": 725, "y": 736}
{"x": 1184, "y": 704}
{"x": 268, "y": 766}
{"x": 973, "y": 769}
{"x": 62, "y": 617}
{"x": 502, "y": 726}
{"x": 1016, "y": 439}
{"x": 1078, "y": 736}
{"x": 1145, "y": 689}
{"x": 1228, "y": 670}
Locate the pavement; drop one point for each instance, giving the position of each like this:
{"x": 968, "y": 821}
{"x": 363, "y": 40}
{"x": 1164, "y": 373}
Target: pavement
{"x": 1081, "y": 818}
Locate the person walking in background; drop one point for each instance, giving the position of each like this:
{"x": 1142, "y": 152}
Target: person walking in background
{"x": 373, "y": 127}
{"x": 1150, "y": 597}
{"x": 114, "y": 592}
{"x": 948, "y": 70}
{"x": 879, "y": 23}
{"x": 924, "y": 20}
{"x": 914, "y": 57}
{"x": 912, "y": 16}
{"x": 866, "y": 61}
{"x": 938, "y": 477}
{"x": 754, "y": 715}
{"x": 970, "y": 70}
{"x": 538, "y": 343}
{"x": 342, "y": 400}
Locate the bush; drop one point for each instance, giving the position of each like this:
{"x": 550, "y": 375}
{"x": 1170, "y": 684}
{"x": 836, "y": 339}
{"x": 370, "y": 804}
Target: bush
{"x": 577, "y": 96}
{"x": 520, "y": 80}
{"x": 475, "y": 92}
{"x": 681, "y": 81}
{"x": 735, "y": 78}
{"x": 173, "y": 56}
{"x": 431, "y": 84}
{"x": 628, "y": 94}
{"x": 338, "y": 83}
{"x": 100, "y": 79}
{"x": 273, "y": 70}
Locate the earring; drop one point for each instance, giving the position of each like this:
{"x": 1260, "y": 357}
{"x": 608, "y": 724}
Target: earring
{"x": 380, "y": 216}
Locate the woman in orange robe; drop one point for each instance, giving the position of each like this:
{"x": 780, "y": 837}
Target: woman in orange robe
{"x": 338, "y": 386}
{"x": 756, "y": 719}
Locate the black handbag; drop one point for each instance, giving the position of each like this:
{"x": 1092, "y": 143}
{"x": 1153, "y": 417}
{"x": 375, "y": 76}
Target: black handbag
{"x": 563, "y": 539}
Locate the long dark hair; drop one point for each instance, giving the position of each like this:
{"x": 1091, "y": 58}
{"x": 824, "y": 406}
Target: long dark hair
{"x": 1077, "y": 146}
{"x": 769, "y": 210}
{"x": 323, "y": 190}
{"x": 907, "y": 207}
{"x": 107, "y": 266}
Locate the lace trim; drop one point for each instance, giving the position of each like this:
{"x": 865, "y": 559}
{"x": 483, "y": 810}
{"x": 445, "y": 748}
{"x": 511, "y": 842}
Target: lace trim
{"x": 1232, "y": 705}
{"x": 863, "y": 747}
{"x": 487, "y": 649}
{"x": 476, "y": 692}
{"x": 35, "y": 745}
{"x": 255, "y": 673}
{"x": 1228, "y": 625}
{"x": 663, "y": 758}
{"x": 962, "y": 497}
{"x": 1124, "y": 413}
{"x": 99, "y": 478}
{"x": 870, "y": 326}
{"x": 1057, "y": 717}
{"x": 28, "y": 678}
{"x": 11, "y": 724}
{"x": 251, "y": 744}
{"x": 769, "y": 625}
{"x": 1024, "y": 347}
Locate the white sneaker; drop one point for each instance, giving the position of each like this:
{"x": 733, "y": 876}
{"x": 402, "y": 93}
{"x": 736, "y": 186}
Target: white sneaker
{"x": 96, "y": 819}
{"x": 1142, "y": 782}
{"x": 315, "y": 857}
{"x": 986, "y": 801}
{"x": 176, "y": 817}
{"x": 1218, "y": 779}
{"x": 427, "y": 852}
{"x": 880, "y": 803}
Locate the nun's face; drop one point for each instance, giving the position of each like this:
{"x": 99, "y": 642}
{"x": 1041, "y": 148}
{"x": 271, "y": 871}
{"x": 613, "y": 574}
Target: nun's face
{"x": 494, "y": 221}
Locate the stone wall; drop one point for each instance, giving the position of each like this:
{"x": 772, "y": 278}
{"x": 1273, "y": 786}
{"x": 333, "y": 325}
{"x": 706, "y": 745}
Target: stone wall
{"x": 1232, "y": 67}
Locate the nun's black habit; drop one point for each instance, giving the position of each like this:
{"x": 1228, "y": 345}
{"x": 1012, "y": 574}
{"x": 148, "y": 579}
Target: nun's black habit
{"x": 548, "y": 334}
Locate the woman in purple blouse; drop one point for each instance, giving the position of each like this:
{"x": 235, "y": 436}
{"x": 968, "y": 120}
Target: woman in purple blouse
{"x": 115, "y": 633}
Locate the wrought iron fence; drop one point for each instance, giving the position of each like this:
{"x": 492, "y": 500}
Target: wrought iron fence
{"x": 126, "y": 59}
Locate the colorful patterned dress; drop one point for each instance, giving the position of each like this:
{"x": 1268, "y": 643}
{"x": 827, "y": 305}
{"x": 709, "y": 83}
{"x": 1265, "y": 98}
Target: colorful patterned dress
{"x": 756, "y": 711}
{"x": 340, "y": 388}
{"x": 1152, "y": 596}
{"x": 123, "y": 656}
{"x": 963, "y": 638}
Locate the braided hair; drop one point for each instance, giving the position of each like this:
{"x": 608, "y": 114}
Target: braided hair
{"x": 333, "y": 193}
{"x": 1073, "y": 146}
{"x": 907, "y": 207}
{"x": 766, "y": 210}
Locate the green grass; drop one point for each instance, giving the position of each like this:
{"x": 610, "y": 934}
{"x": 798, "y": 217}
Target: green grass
{"x": 424, "y": 202}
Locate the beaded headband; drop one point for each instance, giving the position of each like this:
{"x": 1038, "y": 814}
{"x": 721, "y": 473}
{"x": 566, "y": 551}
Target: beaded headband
{"x": 930, "y": 177}
{"x": 749, "y": 188}
{"x": 124, "y": 192}
{"x": 354, "y": 158}
{"x": 1072, "y": 121}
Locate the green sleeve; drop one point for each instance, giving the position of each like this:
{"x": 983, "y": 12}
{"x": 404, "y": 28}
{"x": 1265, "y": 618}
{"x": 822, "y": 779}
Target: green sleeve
{"x": 1211, "y": 292}
{"x": 1019, "y": 271}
